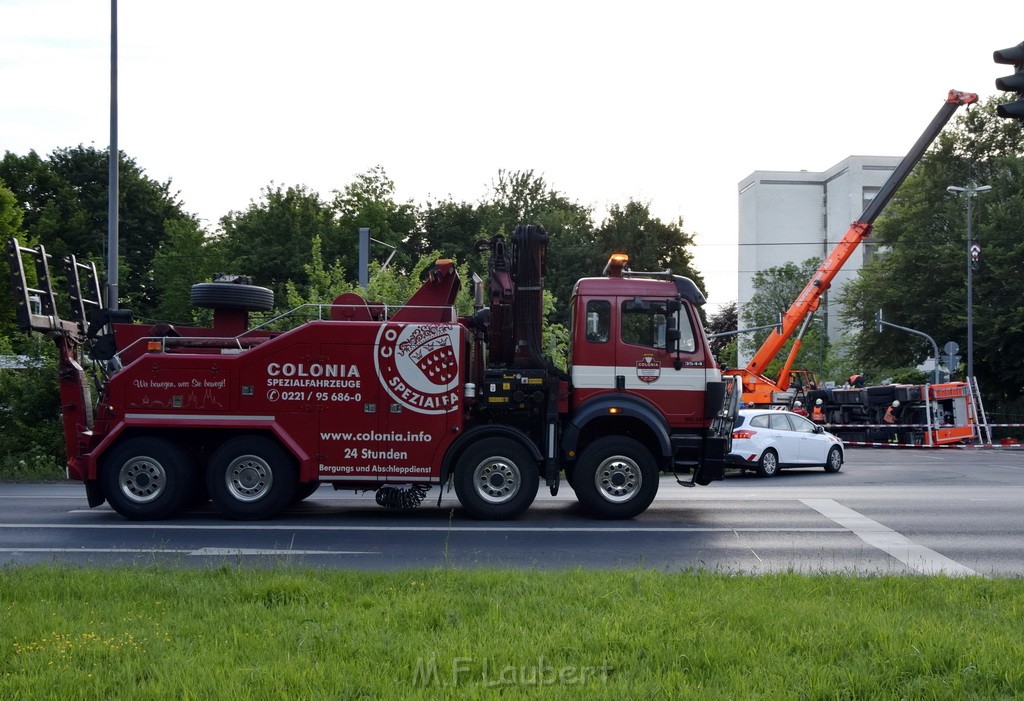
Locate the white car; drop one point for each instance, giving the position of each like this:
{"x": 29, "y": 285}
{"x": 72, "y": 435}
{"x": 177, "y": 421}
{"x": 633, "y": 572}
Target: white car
{"x": 766, "y": 440}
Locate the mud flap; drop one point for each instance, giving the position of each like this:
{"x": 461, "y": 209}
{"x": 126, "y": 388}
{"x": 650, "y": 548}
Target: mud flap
{"x": 712, "y": 464}
{"x": 94, "y": 493}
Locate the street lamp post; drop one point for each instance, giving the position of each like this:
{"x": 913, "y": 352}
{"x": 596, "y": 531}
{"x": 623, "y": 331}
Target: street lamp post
{"x": 971, "y": 190}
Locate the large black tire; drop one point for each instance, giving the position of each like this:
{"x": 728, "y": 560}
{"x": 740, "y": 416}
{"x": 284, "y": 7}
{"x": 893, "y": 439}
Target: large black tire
{"x": 616, "y": 477}
{"x": 251, "y": 477}
{"x": 496, "y": 478}
{"x": 147, "y": 478}
{"x": 834, "y": 461}
{"x": 226, "y": 295}
{"x": 768, "y": 465}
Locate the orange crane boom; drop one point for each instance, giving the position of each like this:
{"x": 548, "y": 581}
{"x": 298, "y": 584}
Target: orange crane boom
{"x": 758, "y": 389}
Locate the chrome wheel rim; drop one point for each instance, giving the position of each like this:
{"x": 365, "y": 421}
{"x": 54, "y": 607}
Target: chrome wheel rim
{"x": 835, "y": 460}
{"x": 249, "y": 478}
{"x": 496, "y": 479}
{"x": 771, "y": 463}
{"x": 142, "y": 479}
{"x": 618, "y": 479}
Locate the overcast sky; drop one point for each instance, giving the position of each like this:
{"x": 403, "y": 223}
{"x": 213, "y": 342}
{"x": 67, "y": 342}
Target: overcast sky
{"x": 670, "y": 103}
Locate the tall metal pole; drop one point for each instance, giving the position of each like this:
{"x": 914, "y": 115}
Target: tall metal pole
{"x": 970, "y": 191}
{"x": 970, "y": 288}
{"x": 113, "y": 188}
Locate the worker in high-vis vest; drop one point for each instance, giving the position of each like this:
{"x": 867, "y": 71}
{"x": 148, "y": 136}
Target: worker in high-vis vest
{"x": 818, "y": 413}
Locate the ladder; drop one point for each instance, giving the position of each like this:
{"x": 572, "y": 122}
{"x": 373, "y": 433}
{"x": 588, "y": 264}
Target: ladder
{"x": 980, "y": 420}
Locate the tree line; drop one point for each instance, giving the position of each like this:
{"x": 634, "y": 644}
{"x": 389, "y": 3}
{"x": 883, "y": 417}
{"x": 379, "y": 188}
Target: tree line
{"x": 164, "y": 250}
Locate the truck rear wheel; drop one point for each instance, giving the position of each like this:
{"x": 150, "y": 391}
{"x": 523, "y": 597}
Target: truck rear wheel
{"x": 616, "y": 477}
{"x": 496, "y": 478}
{"x": 251, "y": 477}
{"x": 147, "y": 478}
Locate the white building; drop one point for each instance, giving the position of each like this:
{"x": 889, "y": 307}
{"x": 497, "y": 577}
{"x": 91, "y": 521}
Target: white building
{"x": 788, "y": 217}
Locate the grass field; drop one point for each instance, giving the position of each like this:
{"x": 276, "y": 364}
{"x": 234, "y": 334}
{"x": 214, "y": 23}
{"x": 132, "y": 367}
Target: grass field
{"x": 161, "y": 633}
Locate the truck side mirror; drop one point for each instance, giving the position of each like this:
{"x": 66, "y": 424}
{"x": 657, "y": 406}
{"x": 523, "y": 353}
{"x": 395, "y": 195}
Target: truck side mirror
{"x": 672, "y": 335}
{"x": 672, "y": 306}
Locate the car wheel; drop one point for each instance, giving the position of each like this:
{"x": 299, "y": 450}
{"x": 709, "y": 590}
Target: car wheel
{"x": 496, "y": 479}
{"x": 251, "y": 477}
{"x": 616, "y": 477}
{"x": 835, "y": 460}
{"x": 768, "y": 465}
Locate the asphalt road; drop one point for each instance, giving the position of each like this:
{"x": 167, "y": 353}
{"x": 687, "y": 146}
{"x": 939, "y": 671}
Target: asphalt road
{"x": 954, "y": 511}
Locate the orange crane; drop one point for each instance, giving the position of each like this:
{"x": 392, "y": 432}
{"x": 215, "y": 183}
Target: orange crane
{"x": 759, "y": 389}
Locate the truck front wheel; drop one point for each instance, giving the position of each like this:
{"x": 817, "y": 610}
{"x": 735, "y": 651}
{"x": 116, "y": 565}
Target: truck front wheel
{"x": 147, "y": 478}
{"x": 615, "y": 477}
{"x": 496, "y": 479}
{"x": 251, "y": 477}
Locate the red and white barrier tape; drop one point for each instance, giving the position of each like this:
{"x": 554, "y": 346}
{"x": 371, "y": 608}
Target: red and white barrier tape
{"x": 934, "y": 427}
{"x": 961, "y": 446}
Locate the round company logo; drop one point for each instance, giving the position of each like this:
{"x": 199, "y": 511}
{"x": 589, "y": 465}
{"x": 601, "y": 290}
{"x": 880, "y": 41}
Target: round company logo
{"x": 418, "y": 364}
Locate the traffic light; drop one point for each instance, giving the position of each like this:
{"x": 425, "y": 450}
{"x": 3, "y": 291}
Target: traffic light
{"x": 1015, "y": 56}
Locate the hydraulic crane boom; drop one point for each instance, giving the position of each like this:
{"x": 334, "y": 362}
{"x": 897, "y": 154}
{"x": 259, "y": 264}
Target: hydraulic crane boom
{"x": 757, "y": 388}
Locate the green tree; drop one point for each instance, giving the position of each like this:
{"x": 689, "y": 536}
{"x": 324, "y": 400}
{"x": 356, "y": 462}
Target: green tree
{"x": 369, "y": 201}
{"x": 272, "y": 238}
{"x": 33, "y": 445}
{"x": 453, "y": 229}
{"x": 324, "y": 282}
{"x": 775, "y": 290}
{"x": 650, "y": 243}
{"x": 920, "y": 282}
{"x": 521, "y": 197}
{"x": 186, "y": 257}
{"x": 11, "y": 217}
{"x": 724, "y": 348}
{"x": 64, "y": 198}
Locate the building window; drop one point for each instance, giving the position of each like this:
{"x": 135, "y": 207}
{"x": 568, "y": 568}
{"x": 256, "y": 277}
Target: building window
{"x": 869, "y": 246}
{"x": 868, "y": 194}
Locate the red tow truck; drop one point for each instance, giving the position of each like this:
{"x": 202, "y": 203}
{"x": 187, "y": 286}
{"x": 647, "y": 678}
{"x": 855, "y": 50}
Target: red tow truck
{"x": 367, "y": 397}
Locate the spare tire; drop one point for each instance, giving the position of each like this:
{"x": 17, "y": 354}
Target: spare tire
{"x": 226, "y": 295}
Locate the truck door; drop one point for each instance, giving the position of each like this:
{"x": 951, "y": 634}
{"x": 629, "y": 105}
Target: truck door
{"x": 645, "y": 367}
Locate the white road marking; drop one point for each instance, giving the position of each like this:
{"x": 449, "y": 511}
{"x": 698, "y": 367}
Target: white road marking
{"x": 438, "y": 529}
{"x": 264, "y": 551}
{"x": 185, "y": 551}
{"x": 922, "y": 559}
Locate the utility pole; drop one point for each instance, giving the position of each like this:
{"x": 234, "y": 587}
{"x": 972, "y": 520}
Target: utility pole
{"x": 971, "y": 191}
{"x": 113, "y": 188}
